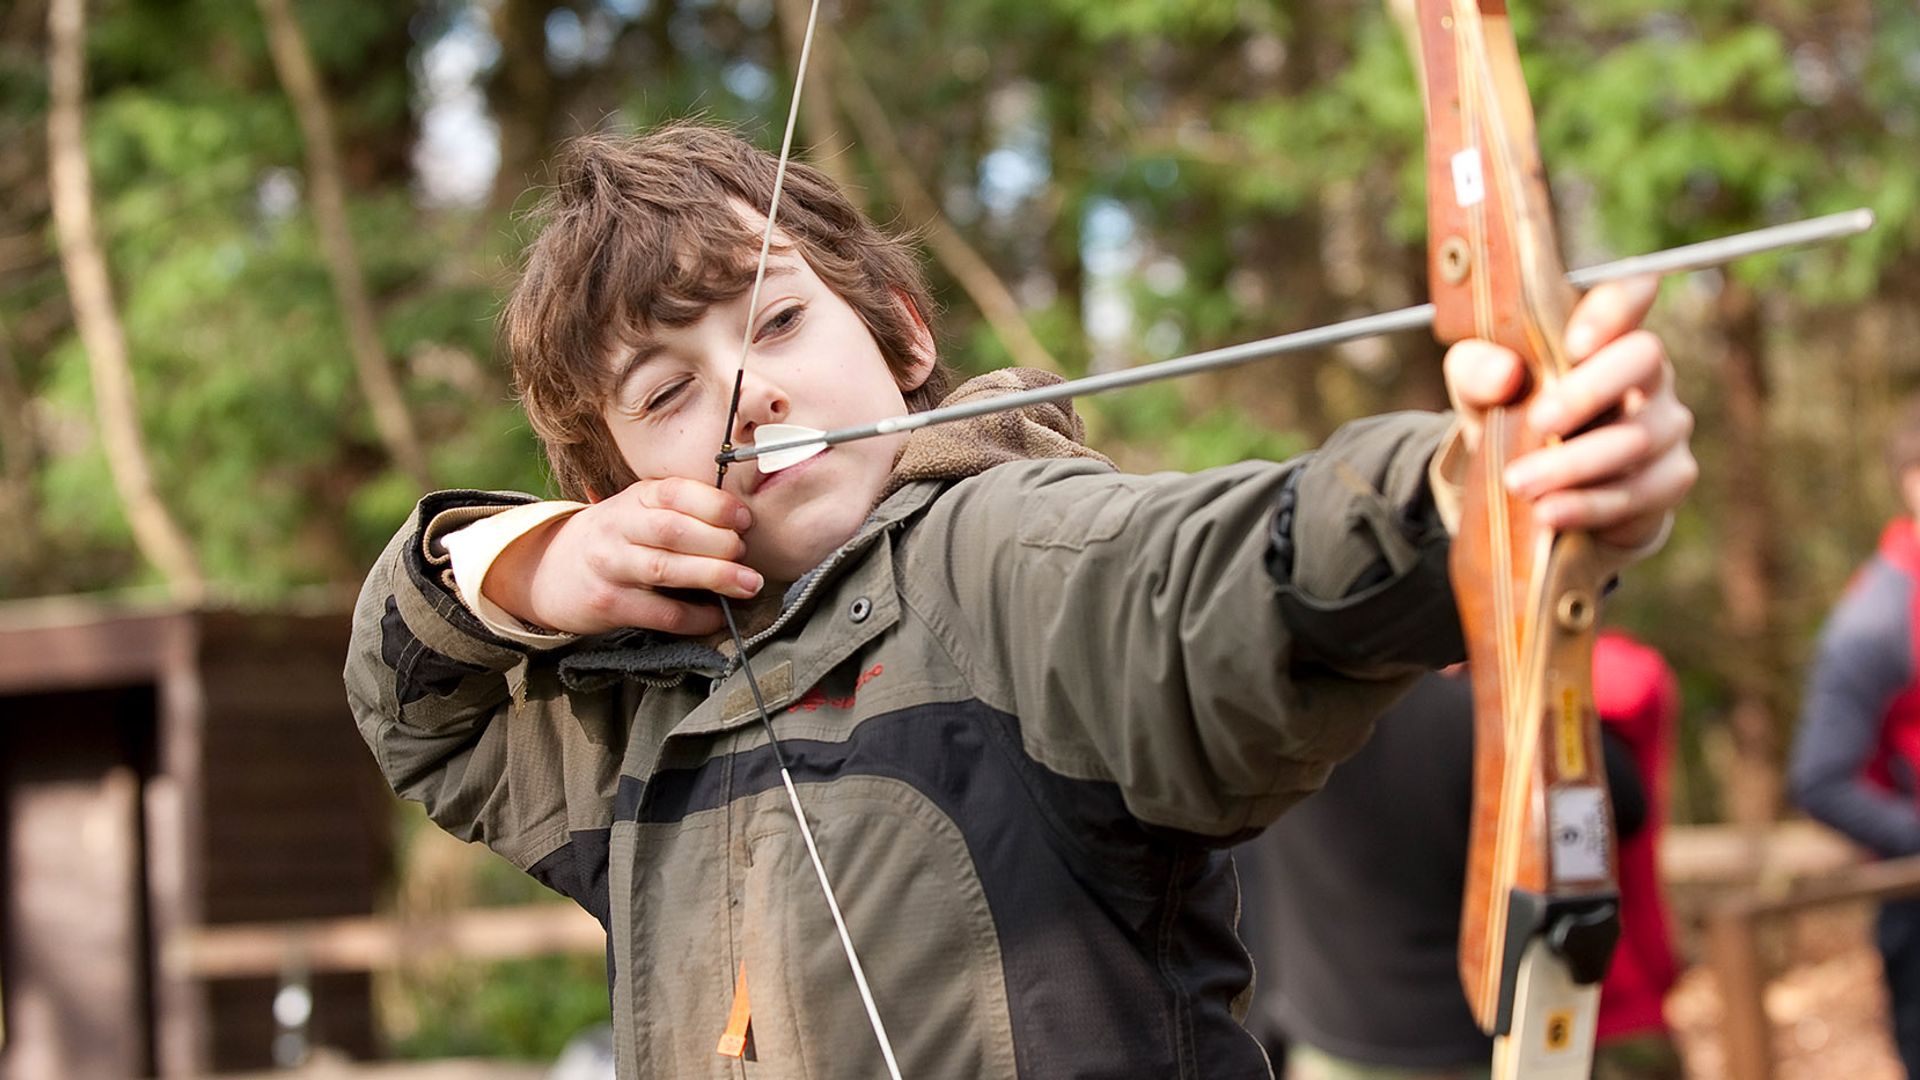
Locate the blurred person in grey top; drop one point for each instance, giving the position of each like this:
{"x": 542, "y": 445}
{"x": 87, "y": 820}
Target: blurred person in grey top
{"x": 1856, "y": 758}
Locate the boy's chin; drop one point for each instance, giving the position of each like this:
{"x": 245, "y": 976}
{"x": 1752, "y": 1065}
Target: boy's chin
{"x": 790, "y": 565}
{"x": 808, "y": 536}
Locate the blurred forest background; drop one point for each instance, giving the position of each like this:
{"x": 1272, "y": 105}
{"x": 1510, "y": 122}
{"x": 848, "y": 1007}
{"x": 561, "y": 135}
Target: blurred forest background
{"x": 250, "y": 254}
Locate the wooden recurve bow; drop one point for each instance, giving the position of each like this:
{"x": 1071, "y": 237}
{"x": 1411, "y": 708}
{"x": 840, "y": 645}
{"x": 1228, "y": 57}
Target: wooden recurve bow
{"x": 1541, "y": 911}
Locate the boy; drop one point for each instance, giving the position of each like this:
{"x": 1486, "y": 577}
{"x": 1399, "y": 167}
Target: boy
{"x": 1029, "y": 699}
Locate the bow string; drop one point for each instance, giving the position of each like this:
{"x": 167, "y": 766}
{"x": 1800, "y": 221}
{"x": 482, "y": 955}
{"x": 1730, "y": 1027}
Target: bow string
{"x": 726, "y": 608}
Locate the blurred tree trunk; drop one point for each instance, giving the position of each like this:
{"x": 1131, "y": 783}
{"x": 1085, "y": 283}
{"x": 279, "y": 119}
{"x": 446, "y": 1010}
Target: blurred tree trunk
{"x": 373, "y": 368}
{"x": 974, "y": 274}
{"x": 819, "y": 131}
{"x": 1749, "y": 561}
{"x": 19, "y": 458}
{"x": 158, "y": 536}
{"x": 1071, "y": 99}
{"x": 1302, "y": 262}
{"x": 523, "y": 95}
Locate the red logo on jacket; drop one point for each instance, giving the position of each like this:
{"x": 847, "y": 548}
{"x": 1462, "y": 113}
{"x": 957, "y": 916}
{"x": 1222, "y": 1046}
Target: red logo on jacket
{"x": 814, "y": 700}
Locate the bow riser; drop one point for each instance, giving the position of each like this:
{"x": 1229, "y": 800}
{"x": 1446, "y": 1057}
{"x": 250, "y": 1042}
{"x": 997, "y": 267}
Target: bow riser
{"x": 1541, "y": 861}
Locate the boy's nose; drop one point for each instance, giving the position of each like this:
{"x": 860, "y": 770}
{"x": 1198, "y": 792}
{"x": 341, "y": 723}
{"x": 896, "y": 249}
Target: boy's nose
{"x": 761, "y": 402}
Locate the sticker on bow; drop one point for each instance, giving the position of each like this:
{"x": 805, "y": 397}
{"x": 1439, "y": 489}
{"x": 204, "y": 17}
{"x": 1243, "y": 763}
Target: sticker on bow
{"x": 1469, "y": 178}
{"x": 1577, "y": 824}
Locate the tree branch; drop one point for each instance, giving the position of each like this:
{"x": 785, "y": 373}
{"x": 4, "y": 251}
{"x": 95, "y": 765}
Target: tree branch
{"x": 975, "y": 276}
{"x": 155, "y": 532}
{"x": 374, "y": 370}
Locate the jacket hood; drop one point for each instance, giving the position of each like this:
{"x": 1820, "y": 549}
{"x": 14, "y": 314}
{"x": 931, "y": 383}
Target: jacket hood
{"x": 969, "y": 447}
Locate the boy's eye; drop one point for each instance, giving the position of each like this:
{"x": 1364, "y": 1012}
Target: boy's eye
{"x": 782, "y": 321}
{"x": 664, "y": 396}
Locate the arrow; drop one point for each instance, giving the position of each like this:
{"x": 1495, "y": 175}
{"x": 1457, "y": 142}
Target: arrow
{"x": 780, "y": 446}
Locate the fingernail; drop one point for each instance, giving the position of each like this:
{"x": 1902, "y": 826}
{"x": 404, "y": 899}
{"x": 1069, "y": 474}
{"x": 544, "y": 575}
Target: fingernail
{"x": 1520, "y": 478}
{"x": 1546, "y": 414}
{"x": 1580, "y": 341}
{"x": 742, "y": 519}
{"x": 749, "y": 581}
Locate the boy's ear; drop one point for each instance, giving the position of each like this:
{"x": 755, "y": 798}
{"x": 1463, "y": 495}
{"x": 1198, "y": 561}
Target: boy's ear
{"x": 921, "y": 347}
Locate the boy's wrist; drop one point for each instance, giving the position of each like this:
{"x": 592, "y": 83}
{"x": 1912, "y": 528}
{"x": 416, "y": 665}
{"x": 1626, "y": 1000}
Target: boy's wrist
{"x": 493, "y": 568}
{"x": 1619, "y": 547}
{"x": 1444, "y": 479}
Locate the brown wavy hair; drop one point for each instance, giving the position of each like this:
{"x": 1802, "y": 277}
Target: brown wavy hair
{"x": 646, "y": 230}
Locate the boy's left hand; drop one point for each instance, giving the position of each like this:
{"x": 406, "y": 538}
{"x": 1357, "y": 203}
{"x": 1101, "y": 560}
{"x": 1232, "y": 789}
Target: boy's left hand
{"x": 1618, "y": 479}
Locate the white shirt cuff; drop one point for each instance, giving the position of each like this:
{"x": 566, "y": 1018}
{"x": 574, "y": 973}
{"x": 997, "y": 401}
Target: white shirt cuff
{"x": 473, "y": 550}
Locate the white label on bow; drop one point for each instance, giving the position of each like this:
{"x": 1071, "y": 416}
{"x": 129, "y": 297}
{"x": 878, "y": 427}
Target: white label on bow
{"x": 1577, "y": 821}
{"x": 1469, "y": 181}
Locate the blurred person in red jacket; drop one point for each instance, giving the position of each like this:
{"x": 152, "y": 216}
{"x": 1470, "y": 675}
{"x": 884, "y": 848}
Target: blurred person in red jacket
{"x": 1352, "y": 900}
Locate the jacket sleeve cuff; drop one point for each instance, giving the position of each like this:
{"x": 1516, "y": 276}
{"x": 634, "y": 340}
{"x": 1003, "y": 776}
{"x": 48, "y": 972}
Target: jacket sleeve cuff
{"x": 473, "y": 549}
{"x": 427, "y": 597}
{"x": 1363, "y": 583}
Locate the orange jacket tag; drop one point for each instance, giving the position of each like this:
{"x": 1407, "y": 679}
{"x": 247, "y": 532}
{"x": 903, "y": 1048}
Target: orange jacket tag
{"x": 733, "y": 1041}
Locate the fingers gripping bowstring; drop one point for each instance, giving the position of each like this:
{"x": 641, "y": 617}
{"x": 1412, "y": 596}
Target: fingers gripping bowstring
{"x": 726, "y": 609}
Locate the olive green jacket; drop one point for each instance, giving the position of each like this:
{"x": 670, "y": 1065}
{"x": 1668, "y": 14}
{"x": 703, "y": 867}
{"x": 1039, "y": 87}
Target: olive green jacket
{"x": 1025, "y": 709}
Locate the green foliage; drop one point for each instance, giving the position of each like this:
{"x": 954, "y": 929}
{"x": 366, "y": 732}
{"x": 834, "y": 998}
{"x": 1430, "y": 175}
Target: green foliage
{"x": 1364, "y": 118}
{"x": 1157, "y": 417}
{"x": 523, "y": 1009}
{"x": 1192, "y": 20}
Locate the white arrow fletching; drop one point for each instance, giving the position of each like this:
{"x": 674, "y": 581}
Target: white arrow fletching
{"x": 770, "y": 434}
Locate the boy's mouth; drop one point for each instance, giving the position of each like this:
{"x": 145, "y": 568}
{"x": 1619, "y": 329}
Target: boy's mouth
{"x": 762, "y": 480}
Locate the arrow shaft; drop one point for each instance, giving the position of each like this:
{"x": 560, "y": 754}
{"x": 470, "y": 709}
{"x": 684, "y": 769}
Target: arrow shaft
{"x": 1689, "y": 257}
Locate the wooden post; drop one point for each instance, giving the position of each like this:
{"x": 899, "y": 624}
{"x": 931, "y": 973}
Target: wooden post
{"x": 1733, "y": 952}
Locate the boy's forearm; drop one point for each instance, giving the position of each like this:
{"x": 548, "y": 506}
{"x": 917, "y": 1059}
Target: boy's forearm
{"x": 1132, "y": 623}
{"x": 422, "y": 674}
{"x": 431, "y": 690}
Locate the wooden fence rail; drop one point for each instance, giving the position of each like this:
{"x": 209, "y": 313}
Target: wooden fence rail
{"x": 373, "y": 943}
{"x": 1733, "y": 923}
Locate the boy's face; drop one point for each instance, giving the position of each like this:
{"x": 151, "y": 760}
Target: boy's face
{"x": 812, "y": 362}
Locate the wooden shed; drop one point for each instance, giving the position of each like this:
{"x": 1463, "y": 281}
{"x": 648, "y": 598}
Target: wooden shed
{"x": 163, "y": 770}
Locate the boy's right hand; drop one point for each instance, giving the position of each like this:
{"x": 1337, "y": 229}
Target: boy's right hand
{"x": 604, "y": 568}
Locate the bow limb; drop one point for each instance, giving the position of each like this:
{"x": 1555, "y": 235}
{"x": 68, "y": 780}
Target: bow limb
{"x": 1540, "y": 915}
